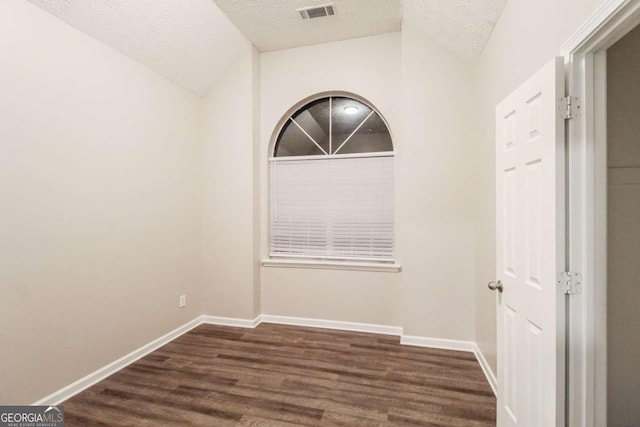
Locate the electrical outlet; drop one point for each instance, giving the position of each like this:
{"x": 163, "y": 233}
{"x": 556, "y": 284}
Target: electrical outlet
{"x": 183, "y": 301}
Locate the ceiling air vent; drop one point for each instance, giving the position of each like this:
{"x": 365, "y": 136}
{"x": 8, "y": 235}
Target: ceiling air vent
{"x": 316, "y": 11}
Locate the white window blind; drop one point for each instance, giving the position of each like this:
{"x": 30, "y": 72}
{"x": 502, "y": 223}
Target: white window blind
{"x": 332, "y": 207}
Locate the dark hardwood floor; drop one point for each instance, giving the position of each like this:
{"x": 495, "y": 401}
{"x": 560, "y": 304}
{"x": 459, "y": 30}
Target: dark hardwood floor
{"x": 277, "y": 375}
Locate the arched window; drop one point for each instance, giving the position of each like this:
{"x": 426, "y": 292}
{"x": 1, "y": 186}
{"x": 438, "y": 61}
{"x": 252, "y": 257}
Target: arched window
{"x": 331, "y": 179}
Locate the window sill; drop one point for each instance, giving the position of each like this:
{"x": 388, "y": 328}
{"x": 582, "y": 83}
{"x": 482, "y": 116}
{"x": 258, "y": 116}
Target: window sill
{"x": 333, "y": 265}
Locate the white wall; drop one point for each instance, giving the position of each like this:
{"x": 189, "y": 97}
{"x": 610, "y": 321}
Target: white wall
{"x": 527, "y": 35}
{"x": 435, "y": 216}
{"x": 417, "y": 86}
{"x": 623, "y": 233}
{"x": 230, "y": 274}
{"x": 99, "y": 196}
{"x": 369, "y": 67}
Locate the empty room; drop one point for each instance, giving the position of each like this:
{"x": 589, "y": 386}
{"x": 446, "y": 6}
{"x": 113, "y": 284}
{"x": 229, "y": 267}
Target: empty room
{"x": 310, "y": 213}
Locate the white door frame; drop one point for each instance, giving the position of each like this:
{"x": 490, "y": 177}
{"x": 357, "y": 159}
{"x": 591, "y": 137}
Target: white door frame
{"x": 585, "y": 57}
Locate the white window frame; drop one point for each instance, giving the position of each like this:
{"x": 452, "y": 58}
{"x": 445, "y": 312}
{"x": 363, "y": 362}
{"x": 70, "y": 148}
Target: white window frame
{"x": 312, "y": 261}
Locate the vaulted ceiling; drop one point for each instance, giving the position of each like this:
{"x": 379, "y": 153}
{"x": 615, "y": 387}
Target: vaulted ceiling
{"x": 191, "y": 42}
{"x": 276, "y": 24}
{"x": 463, "y": 26}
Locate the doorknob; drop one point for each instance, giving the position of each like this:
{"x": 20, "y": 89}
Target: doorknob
{"x": 496, "y": 285}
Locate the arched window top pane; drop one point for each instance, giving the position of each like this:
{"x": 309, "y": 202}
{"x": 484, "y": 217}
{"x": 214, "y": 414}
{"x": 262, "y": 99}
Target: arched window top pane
{"x": 332, "y": 126}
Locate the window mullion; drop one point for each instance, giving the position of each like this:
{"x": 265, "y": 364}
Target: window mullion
{"x": 309, "y": 136}
{"x": 330, "y": 126}
{"x": 354, "y": 131}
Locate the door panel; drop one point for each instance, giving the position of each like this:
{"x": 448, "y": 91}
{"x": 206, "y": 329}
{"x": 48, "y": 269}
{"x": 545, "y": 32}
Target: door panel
{"x": 535, "y": 357}
{"x": 530, "y": 251}
{"x": 532, "y": 223}
{"x": 510, "y": 216}
{"x": 510, "y": 373}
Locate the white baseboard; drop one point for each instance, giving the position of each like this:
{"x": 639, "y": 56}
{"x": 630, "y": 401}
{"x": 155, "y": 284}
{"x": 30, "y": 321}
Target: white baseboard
{"x": 332, "y": 324}
{"x": 488, "y": 372}
{"x": 437, "y": 343}
{"x": 102, "y": 373}
{"x": 230, "y": 321}
{"x": 87, "y": 381}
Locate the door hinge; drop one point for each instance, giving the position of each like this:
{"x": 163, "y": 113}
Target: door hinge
{"x": 569, "y": 107}
{"x": 570, "y": 282}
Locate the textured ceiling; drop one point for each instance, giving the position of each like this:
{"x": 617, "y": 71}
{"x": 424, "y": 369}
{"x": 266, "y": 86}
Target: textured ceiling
{"x": 189, "y": 42}
{"x": 275, "y": 24}
{"x": 463, "y": 26}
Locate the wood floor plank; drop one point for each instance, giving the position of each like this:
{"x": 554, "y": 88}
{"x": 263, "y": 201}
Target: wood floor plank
{"x": 280, "y": 375}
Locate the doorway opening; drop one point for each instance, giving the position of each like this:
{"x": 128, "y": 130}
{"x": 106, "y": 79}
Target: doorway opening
{"x": 623, "y": 230}
{"x": 604, "y": 217}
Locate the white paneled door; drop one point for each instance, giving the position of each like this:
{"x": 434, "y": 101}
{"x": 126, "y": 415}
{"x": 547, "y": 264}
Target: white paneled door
{"x": 530, "y": 203}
